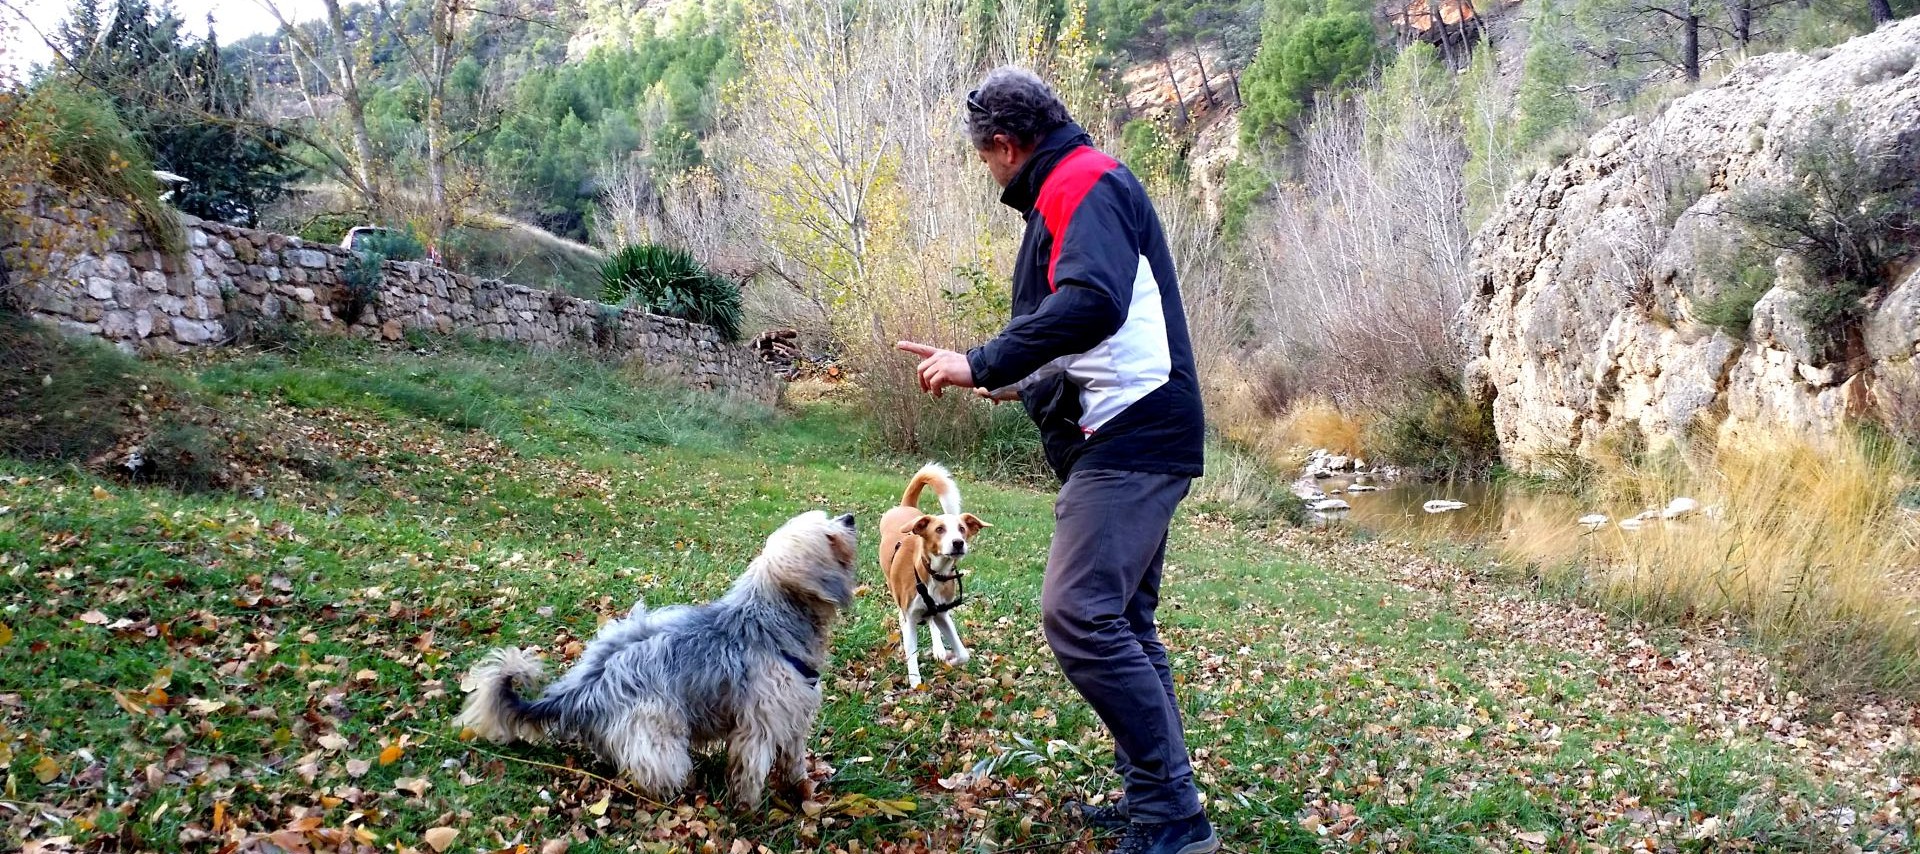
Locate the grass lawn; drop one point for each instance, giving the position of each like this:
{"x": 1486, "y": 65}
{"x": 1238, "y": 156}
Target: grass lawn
{"x": 277, "y": 665}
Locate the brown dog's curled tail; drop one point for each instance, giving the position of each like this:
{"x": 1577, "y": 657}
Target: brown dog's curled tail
{"x": 494, "y": 711}
{"x": 936, "y": 476}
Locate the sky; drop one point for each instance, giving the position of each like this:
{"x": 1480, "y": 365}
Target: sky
{"x": 21, "y": 48}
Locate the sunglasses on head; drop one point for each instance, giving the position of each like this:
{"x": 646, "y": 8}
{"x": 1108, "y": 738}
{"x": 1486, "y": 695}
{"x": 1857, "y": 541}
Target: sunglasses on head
{"x": 973, "y": 103}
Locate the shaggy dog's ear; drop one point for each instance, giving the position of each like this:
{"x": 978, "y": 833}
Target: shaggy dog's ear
{"x": 973, "y": 523}
{"x": 919, "y": 526}
{"x": 842, "y": 548}
{"x": 830, "y": 585}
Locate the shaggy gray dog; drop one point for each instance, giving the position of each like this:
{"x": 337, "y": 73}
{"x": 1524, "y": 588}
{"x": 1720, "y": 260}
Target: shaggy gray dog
{"x": 655, "y": 684}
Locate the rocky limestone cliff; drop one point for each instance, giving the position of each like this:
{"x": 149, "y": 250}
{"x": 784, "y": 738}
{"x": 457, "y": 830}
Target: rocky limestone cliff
{"x": 1589, "y": 282}
{"x": 1213, "y": 131}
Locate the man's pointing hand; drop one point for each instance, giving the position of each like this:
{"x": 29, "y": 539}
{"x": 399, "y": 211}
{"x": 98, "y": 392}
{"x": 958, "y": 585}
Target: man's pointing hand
{"x": 939, "y": 368}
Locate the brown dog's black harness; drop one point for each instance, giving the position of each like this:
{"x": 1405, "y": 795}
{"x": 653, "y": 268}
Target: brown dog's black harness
{"x": 926, "y": 596}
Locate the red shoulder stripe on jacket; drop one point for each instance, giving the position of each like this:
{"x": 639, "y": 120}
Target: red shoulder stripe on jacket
{"x": 1060, "y": 196}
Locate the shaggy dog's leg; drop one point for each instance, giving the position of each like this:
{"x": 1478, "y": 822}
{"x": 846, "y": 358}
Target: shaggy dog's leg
{"x": 790, "y": 764}
{"x": 750, "y": 752}
{"x": 651, "y": 749}
{"x": 956, "y": 652}
{"x": 910, "y": 644}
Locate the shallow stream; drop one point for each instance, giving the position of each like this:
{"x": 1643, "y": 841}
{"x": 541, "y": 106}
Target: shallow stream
{"x": 1395, "y": 508}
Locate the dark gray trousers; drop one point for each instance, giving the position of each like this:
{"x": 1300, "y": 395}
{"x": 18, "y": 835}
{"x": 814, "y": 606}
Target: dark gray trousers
{"x": 1102, "y": 585}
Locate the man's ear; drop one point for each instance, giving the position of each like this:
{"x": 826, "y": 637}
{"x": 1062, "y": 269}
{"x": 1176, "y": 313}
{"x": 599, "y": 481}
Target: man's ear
{"x": 973, "y": 523}
{"x": 919, "y": 525}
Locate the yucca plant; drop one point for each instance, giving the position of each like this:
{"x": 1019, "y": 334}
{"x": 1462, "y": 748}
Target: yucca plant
{"x": 668, "y": 281}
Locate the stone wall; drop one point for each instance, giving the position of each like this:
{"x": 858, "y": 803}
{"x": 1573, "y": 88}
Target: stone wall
{"x": 230, "y": 283}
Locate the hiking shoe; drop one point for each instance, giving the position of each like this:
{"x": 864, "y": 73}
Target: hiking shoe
{"x": 1186, "y": 836}
{"x": 1107, "y": 817}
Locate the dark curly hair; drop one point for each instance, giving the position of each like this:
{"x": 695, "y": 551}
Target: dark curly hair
{"x": 1015, "y": 102}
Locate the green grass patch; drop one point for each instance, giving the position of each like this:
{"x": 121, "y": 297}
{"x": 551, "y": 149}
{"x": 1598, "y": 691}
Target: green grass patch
{"x": 186, "y": 669}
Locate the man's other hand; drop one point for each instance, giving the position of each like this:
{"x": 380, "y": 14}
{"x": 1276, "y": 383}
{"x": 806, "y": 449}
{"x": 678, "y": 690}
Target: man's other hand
{"x": 939, "y": 368}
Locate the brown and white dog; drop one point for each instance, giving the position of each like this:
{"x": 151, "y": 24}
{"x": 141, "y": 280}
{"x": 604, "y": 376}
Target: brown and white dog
{"x": 920, "y": 556}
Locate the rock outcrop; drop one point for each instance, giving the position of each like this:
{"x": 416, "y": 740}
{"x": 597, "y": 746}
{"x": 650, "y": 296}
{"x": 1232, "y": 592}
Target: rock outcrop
{"x": 1589, "y": 283}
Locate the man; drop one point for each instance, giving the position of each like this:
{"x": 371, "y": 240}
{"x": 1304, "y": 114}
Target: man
{"x": 1098, "y": 353}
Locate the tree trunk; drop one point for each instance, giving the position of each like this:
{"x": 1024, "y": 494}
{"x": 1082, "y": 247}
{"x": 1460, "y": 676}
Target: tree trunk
{"x": 1690, "y": 48}
{"x": 1882, "y": 11}
{"x": 1468, "y": 15}
{"x": 1440, "y": 28}
{"x": 356, "y": 107}
{"x": 1206, "y": 86}
{"x": 1740, "y": 16}
{"x": 441, "y": 25}
{"x": 1179, "y": 100}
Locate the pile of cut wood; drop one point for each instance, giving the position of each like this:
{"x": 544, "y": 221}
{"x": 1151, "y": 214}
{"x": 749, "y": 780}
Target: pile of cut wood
{"x": 778, "y": 347}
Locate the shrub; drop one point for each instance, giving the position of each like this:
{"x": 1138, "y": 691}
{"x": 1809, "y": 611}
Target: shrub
{"x": 1316, "y": 423}
{"x": 669, "y": 281}
{"x": 1438, "y": 432}
{"x": 392, "y": 244}
{"x": 95, "y": 153}
{"x": 328, "y": 228}
{"x": 361, "y": 281}
{"x": 1741, "y": 281}
{"x": 1843, "y": 215}
{"x": 364, "y": 277}
{"x": 1245, "y": 186}
{"x": 606, "y": 326}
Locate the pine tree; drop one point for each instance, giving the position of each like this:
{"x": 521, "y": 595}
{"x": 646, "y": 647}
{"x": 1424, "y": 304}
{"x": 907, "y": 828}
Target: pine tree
{"x": 176, "y": 95}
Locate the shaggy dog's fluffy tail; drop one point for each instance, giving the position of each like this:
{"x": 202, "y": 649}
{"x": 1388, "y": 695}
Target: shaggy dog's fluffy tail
{"x": 936, "y": 476}
{"x": 494, "y": 710}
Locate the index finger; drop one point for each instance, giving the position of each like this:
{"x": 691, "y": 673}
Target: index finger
{"x": 916, "y": 349}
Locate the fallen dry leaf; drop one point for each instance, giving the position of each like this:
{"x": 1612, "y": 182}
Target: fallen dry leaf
{"x": 440, "y": 837}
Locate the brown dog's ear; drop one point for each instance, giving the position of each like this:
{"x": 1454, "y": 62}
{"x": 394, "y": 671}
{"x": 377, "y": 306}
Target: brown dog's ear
{"x": 919, "y": 525}
{"x": 973, "y": 523}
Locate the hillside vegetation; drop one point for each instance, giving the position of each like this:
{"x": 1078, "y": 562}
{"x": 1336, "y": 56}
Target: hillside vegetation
{"x": 275, "y": 663}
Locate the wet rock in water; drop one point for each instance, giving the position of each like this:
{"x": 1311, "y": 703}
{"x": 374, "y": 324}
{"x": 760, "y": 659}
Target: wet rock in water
{"x": 1644, "y": 516}
{"x": 1329, "y": 505}
{"x": 1594, "y": 521}
{"x": 1442, "y": 505}
{"x": 1680, "y": 508}
{"x": 1361, "y": 487}
{"x": 1633, "y": 524}
{"x": 1305, "y": 490}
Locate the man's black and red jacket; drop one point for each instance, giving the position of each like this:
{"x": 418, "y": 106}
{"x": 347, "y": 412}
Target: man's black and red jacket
{"x": 1098, "y": 344}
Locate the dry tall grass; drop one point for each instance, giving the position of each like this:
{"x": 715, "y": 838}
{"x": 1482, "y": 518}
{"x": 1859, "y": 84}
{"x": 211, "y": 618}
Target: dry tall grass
{"x": 1801, "y": 540}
